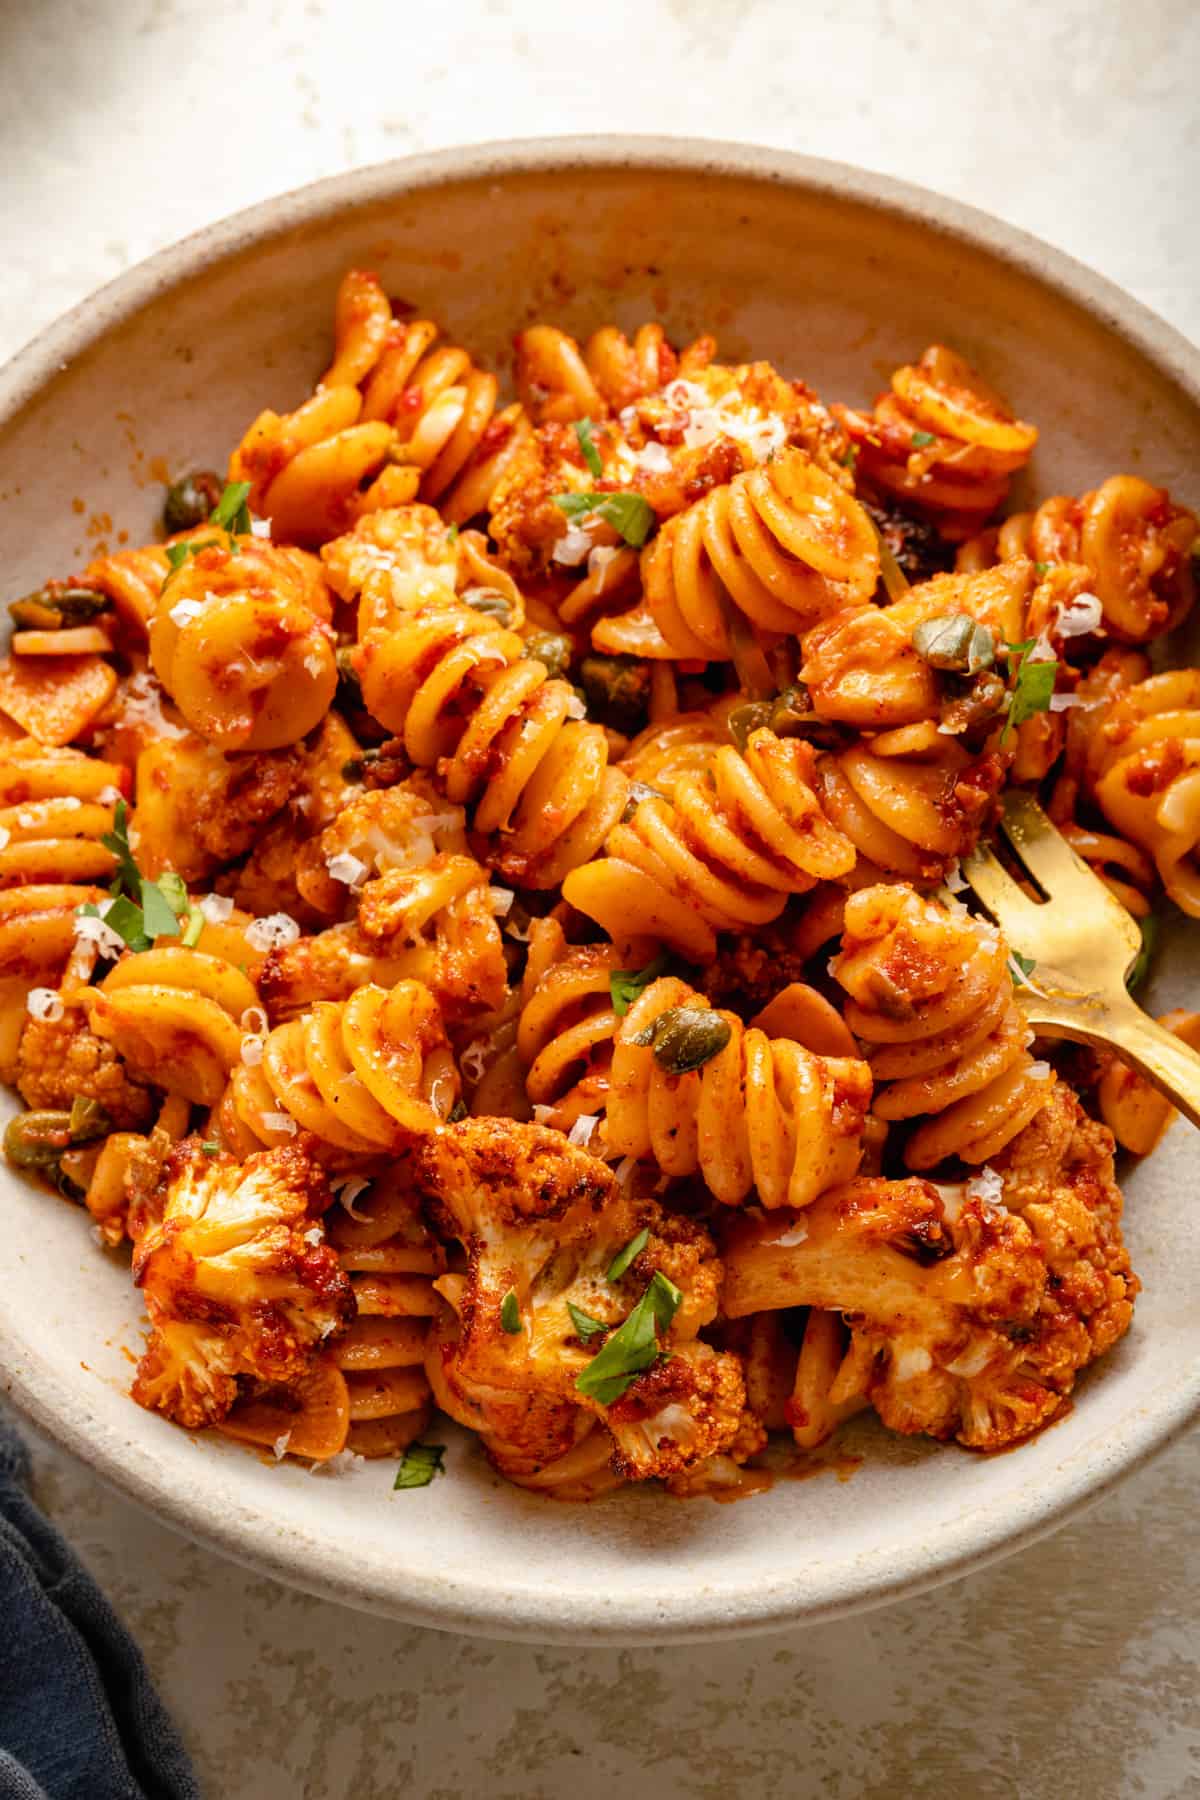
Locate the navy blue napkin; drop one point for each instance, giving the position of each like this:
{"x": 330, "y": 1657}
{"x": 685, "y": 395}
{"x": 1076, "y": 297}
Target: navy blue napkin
{"x": 79, "y": 1716}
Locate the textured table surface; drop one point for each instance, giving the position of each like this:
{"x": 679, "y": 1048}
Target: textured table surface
{"x": 1069, "y": 1670}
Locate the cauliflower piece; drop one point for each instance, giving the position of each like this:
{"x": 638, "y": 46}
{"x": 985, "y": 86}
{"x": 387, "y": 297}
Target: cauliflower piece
{"x": 198, "y": 808}
{"x": 976, "y": 1314}
{"x": 60, "y": 1059}
{"x": 234, "y": 1283}
{"x": 543, "y": 1220}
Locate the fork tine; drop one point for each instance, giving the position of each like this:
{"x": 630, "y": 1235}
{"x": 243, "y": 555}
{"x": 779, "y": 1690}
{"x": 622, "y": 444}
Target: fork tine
{"x": 1059, "y": 871}
{"x": 995, "y": 887}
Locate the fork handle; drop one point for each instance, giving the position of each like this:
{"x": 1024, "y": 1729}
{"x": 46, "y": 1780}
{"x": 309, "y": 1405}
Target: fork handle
{"x": 1168, "y": 1063}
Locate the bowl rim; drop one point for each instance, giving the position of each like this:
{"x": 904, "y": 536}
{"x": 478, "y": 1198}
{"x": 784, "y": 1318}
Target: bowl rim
{"x": 542, "y": 1615}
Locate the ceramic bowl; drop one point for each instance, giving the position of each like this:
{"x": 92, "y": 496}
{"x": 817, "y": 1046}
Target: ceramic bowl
{"x": 833, "y": 274}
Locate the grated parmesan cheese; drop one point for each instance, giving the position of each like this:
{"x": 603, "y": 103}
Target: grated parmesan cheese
{"x": 88, "y": 930}
{"x": 141, "y": 704}
{"x": 624, "y": 1170}
{"x": 542, "y": 1115}
{"x": 1064, "y": 702}
{"x": 272, "y": 932}
{"x": 280, "y": 1121}
{"x": 108, "y": 796}
{"x": 279, "y": 1447}
{"x": 581, "y": 1131}
{"x": 260, "y": 528}
{"x": 5, "y": 835}
{"x": 655, "y": 459}
{"x": 252, "y": 1051}
{"x": 473, "y": 1061}
{"x": 44, "y": 1003}
{"x": 348, "y": 1190}
{"x": 1039, "y": 1071}
{"x": 988, "y": 1188}
{"x": 972, "y": 1361}
{"x": 315, "y": 1237}
{"x": 500, "y": 900}
{"x": 347, "y": 869}
{"x": 576, "y": 709}
{"x": 1079, "y": 616}
{"x": 795, "y": 1234}
{"x": 184, "y": 612}
{"x": 341, "y": 1464}
{"x": 216, "y": 908}
{"x": 573, "y": 547}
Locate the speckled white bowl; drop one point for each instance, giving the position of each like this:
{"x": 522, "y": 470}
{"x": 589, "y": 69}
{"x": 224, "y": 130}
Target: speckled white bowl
{"x": 834, "y": 274}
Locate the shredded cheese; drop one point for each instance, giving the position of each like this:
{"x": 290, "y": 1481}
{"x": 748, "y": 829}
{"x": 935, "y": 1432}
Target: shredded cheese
{"x": 272, "y": 932}
{"x": 44, "y": 1003}
{"x": 216, "y": 908}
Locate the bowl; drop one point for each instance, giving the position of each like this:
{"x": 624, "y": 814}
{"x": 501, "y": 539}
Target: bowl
{"x": 831, "y": 273}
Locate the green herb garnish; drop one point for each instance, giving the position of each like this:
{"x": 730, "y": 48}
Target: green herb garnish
{"x": 625, "y": 985}
{"x": 210, "y": 1147}
{"x": 510, "y": 1313}
{"x": 140, "y": 910}
{"x": 623, "y": 1258}
{"x": 419, "y": 1464}
{"x": 452, "y": 534}
{"x": 585, "y": 1326}
{"x": 1033, "y": 686}
{"x": 629, "y": 515}
{"x": 231, "y": 512}
{"x": 1020, "y": 967}
{"x": 633, "y": 1346}
{"x": 685, "y": 1037}
{"x": 849, "y": 460}
{"x": 591, "y": 456}
{"x": 1043, "y": 568}
{"x": 1149, "y": 928}
{"x": 919, "y": 439}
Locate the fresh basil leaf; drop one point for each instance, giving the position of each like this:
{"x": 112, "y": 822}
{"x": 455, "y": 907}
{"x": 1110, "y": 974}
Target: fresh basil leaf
{"x": 452, "y": 534}
{"x": 158, "y": 916}
{"x": 633, "y": 1346}
{"x": 919, "y": 439}
{"x": 194, "y": 929}
{"x": 418, "y": 1466}
{"x": 1043, "y": 568}
{"x": 632, "y": 517}
{"x": 173, "y": 889}
{"x": 591, "y": 456}
{"x": 177, "y": 555}
{"x": 585, "y": 1326}
{"x": 125, "y": 918}
{"x": 510, "y": 1313}
{"x": 1020, "y": 967}
{"x": 623, "y": 1258}
{"x": 625, "y": 985}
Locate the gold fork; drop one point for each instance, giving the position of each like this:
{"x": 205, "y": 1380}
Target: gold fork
{"x": 1083, "y": 944}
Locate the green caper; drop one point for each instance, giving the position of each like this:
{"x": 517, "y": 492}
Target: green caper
{"x": 87, "y": 1119}
{"x": 490, "y": 602}
{"x": 458, "y": 1111}
{"x": 792, "y": 712}
{"x": 53, "y": 607}
{"x": 550, "y": 648}
{"x": 349, "y": 689}
{"x": 685, "y": 1037}
{"x": 954, "y": 642}
{"x": 617, "y": 690}
{"x": 639, "y": 791}
{"x": 977, "y": 705}
{"x": 748, "y": 718}
{"x": 190, "y": 500}
{"x": 36, "y": 1140}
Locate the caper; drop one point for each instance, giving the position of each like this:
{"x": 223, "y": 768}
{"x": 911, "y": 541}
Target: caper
{"x": 87, "y": 1119}
{"x": 349, "y": 689}
{"x": 685, "y": 1037}
{"x": 617, "y": 690}
{"x": 639, "y": 791}
{"x": 53, "y": 607}
{"x": 550, "y": 648}
{"x": 190, "y": 500}
{"x": 954, "y": 642}
{"x": 977, "y": 705}
{"x": 490, "y": 601}
{"x": 457, "y": 1112}
{"x": 36, "y": 1140}
{"x": 745, "y": 720}
{"x": 792, "y": 712}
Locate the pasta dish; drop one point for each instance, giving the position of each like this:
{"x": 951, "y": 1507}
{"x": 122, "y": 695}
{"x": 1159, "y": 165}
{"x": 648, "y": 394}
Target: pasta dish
{"x": 481, "y": 928}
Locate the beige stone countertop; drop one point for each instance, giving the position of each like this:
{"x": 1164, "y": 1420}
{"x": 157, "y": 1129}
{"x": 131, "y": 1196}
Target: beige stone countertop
{"x": 1067, "y": 1671}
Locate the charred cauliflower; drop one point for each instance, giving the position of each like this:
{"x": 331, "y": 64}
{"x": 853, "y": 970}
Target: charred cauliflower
{"x": 972, "y": 1309}
{"x": 546, "y": 1291}
{"x": 237, "y": 1278}
{"x": 60, "y": 1060}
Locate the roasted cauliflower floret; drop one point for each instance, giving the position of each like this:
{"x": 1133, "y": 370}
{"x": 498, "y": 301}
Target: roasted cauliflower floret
{"x": 60, "y": 1060}
{"x": 542, "y": 1222}
{"x": 972, "y": 1311}
{"x": 237, "y": 1278}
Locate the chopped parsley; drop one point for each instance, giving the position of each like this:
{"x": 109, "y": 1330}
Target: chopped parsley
{"x": 585, "y": 1326}
{"x": 1149, "y": 928}
{"x": 210, "y": 1147}
{"x": 623, "y": 1258}
{"x": 1033, "y": 686}
{"x": 629, "y": 515}
{"x": 633, "y": 1346}
{"x": 919, "y": 439}
{"x": 849, "y": 460}
{"x": 591, "y": 456}
{"x": 510, "y": 1313}
{"x": 1043, "y": 568}
{"x": 141, "y": 911}
{"x": 419, "y": 1464}
{"x": 231, "y": 515}
{"x": 625, "y": 985}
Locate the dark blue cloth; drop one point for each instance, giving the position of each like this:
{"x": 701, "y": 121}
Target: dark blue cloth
{"x": 79, "y": 1717}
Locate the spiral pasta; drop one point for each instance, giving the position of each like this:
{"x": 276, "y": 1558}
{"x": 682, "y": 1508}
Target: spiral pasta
{"x": 240, "y": 639}
{"x": 391, "y": 1261}
{"x": 941, "y": 441}
{"x": 55, "y": 806}
{"x": 932, "y": 996}
{"x": 781, "y": 545}
{"x": 503, "y": 735}
{"x": 396, "y": 416}
{"x": 763, "y": 1114}
{"x": 364, "y": 1076}
{"x": 1130, "y": 536}
{"x": 714, "y": 858}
